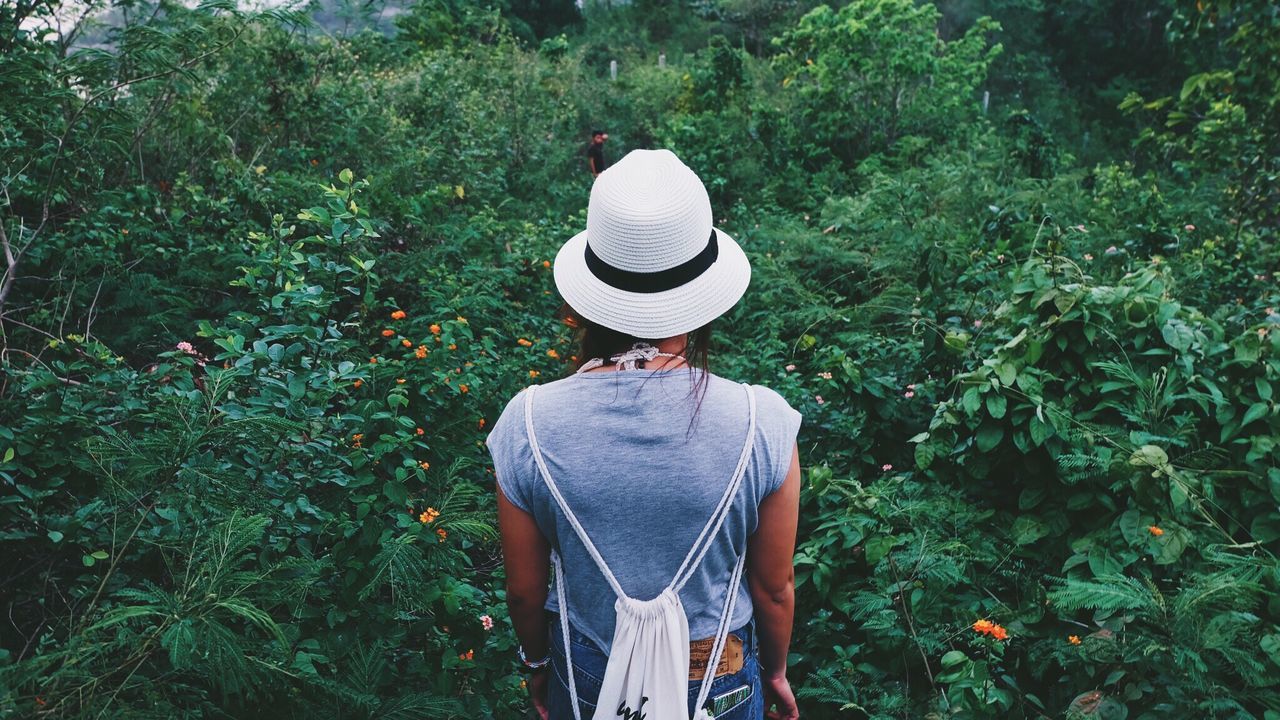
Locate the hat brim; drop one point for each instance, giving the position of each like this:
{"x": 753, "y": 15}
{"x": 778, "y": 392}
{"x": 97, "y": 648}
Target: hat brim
{"x": 653, "y": 315}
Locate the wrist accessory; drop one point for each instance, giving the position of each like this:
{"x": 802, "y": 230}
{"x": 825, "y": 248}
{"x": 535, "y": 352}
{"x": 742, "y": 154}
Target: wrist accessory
{"x": 532, "y": 664}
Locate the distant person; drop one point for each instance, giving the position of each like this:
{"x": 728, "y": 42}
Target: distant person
{"x": 595, "y": 152}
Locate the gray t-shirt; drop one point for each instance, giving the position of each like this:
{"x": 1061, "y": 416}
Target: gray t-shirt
{"x": 643, "y": 481}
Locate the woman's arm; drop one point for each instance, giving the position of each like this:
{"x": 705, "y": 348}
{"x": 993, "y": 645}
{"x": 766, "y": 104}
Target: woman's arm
{"x": 771, "y": 577}
{"x": 527, "y": 559}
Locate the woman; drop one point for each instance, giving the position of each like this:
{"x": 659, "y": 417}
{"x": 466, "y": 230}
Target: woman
{"x": 651, "y": 458}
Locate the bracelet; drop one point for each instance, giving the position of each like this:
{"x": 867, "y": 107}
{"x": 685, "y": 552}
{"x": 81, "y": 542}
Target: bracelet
{"x": 532, "y": 664}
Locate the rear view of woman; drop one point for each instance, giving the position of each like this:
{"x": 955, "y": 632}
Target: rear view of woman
{"x": 657, "y": 491}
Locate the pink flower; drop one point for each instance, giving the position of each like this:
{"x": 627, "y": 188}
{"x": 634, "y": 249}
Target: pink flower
{"x": 186, "y": 347}
{"x": 1079, "y": 228}
{"x": 486, "y": 622}
{"x": 912, "y": 386}
{"x": 1087, "y": 256}
{"x": 791, "y": 368}
{"x": 908, "y": 394}
{"x": 977, "y": 323}
{"x": 1112, "y": 250}
{"x": 824, "y": 375}
{"x": 818, "y": 399}
{"x": 886, "y": 467}
{"x": 1189, "y": 227}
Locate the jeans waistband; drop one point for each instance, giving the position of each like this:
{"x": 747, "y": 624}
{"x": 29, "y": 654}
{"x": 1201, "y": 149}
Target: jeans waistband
{"x": 746, "y": 633}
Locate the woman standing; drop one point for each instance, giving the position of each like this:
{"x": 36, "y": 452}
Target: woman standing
{"x": 646, "y": 476}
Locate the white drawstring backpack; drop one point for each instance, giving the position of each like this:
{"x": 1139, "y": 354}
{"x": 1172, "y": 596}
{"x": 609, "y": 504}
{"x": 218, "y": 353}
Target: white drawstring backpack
{"x": 648, "y": 670}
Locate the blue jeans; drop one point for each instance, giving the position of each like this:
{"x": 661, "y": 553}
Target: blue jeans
{"x": 589, "y": 663}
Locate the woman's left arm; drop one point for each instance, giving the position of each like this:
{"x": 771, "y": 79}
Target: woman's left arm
{"x": 527, "y": 559}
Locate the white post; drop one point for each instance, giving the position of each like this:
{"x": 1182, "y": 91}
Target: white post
{"x": 662, "y": 60}
{"x": 986, "y": 100}
{"x": 613, "y": 69}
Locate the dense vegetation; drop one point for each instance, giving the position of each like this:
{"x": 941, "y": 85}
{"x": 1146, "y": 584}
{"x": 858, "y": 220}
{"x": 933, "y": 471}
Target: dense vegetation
{"x": 265, "y": 283}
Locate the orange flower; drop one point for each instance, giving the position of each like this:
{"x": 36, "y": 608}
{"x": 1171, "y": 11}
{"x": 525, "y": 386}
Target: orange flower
{"x": 524, "y": 684}
{"x": 428, "y": 516}
{"x": 481, "y": 423}
{"x": 405, "y": 342}
{"x": 983, "y": 626}
{"x": 357, "y": 384}
{"x": 468, "y": 655}
{"x": 999, "y": 633}
{"x": 523, "y": 343}
{"x": 1073, "y": 639}
{"x": 1155, "y": 531}
{"x": 453, "y": 346}
{"x": 420, "y": 431}
{"x": 424, "y": 465}
{"x": 388, "y": 332}
{"x": 573, "y": 358}
{"x": 357, "y": 437}
{"x": 399, "y": 381}
{"x": 421, "y": 352}
{"x": 546, "y": 263}
{"x": 553, "y": 354}
{"x": 435, "y": 329}
{"x": 373, "y": 361}
{"x": 442, "y": 534}
{"x": 398, "y": 315}
{"x": 534, "y": 373}
{"x": 463, "y": 387}
{"x": 314, "y": 162}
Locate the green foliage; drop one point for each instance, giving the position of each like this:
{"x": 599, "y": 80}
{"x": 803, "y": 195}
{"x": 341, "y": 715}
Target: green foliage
{"x": 242, "y": 416}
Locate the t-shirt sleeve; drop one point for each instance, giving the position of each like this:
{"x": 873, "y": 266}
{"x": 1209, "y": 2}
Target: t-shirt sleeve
{"x": 777, "y": 426}
{"x": 513, "y": 463}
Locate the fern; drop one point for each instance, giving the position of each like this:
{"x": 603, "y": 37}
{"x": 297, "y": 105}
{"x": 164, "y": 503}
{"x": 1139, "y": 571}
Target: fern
{"x": 1109, "y": 593}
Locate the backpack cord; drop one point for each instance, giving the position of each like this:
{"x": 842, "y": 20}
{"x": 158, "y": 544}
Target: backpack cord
{"x": 696, "y": 553}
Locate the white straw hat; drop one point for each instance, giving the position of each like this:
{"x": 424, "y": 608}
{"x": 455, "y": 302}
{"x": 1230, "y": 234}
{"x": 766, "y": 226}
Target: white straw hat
{"x": 650, "y": 263}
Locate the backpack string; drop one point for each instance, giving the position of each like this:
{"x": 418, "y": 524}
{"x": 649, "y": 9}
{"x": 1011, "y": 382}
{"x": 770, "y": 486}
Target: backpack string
{"x": 721, "y": 513}
{"x": 564, "y": 505}
{"x": 692, "y": 560}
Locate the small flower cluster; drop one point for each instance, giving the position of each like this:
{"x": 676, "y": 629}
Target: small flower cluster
{"x": 1155, "y": 530}
{"x": 428, "y": 516}
{"x": 986, "y": 627}
{"x": 486, "y": 622}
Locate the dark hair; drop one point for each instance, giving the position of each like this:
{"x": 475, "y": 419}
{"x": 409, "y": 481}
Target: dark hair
{"x": 598, "y": 341}
{"x": 596, "y": 132}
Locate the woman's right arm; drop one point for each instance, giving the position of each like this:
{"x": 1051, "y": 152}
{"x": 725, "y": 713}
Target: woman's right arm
{"x": 771, "y": 578}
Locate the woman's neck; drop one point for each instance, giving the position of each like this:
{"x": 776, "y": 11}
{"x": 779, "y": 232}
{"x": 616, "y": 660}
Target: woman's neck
{"x": 671, "y": 346}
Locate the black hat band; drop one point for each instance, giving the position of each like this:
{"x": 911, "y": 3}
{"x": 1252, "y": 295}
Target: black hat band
{"x": 654, "y": 282}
